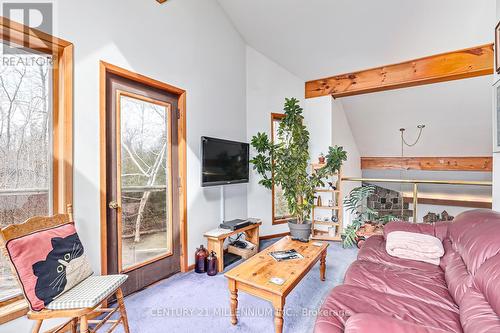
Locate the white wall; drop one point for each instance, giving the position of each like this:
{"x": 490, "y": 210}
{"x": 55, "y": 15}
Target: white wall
{"x": 457, "y": 112}
{"x": 496, "y": 156}
{"x": 496, "y": 181}
{"x": 342, "y": 136}
{"x": 318, "y": 119}
{"x": 190, "y": 44}
{"x": 267, "y": 86}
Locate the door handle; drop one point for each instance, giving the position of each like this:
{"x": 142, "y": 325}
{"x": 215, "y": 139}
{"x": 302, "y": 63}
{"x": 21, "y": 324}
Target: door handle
{"x": 113, "y": 205}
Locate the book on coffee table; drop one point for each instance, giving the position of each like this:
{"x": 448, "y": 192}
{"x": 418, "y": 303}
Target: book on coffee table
{"x": 286, "y": 255}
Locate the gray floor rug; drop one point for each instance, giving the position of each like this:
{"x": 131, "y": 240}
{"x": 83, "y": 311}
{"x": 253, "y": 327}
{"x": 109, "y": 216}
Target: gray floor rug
{"x": 190, "y": 302}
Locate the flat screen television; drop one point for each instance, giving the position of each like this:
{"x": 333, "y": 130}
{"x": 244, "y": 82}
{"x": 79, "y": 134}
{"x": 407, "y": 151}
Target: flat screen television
{"x": 223, "y": 162}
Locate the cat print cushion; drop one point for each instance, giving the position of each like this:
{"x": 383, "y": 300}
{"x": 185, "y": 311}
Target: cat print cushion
{"x": 49, "y": 263}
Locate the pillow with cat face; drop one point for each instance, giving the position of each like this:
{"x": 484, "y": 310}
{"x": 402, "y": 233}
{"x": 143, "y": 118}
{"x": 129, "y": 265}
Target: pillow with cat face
{"x": 49, "y": 263}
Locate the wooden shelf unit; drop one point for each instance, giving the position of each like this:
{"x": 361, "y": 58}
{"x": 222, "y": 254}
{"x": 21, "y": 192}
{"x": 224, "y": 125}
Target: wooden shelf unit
{"x": 336, "y": 196}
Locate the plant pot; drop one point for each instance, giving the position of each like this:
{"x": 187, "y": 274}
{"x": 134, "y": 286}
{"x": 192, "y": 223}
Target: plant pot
{"x": 302, "y": 231}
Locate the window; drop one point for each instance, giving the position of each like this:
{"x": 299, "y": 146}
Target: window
{"x": 35, "y": 134}
{"x": 25, "y": 136}
{"x": 280, "y": 207}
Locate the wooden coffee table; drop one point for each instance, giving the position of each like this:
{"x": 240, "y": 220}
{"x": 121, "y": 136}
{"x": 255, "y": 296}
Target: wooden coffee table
{"x": 253, "y": 275}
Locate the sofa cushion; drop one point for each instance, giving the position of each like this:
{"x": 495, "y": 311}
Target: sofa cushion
{"x": 347, "y": 300}
{"x": 487, "y": 280}
{"x": 438, "y": 229}
{"x": 402, "y": 282}
{"x": 374, "y": 250}
{"x": 457, "y": 277}
{"x": 421, "y": 228}
{"x": 480, "y": 307}
{"x": 367, "y": 322}
{"x": 448, "y": 253}
{"x": 474, "y": 235}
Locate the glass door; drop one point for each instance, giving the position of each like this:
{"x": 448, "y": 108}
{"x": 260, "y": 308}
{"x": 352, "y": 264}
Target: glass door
{"x": 142, "y": 183}
{"x": 144, "y": 174}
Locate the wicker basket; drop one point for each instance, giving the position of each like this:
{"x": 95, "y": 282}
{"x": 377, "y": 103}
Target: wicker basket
{"x": 244, "y": 253}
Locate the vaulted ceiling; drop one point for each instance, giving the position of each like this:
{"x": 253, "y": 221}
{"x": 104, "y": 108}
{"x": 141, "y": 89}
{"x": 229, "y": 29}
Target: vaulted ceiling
{"x": 319, "y": 38}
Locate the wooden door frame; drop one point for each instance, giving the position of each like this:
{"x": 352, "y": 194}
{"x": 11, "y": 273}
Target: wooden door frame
{"x": 104, "y": 69}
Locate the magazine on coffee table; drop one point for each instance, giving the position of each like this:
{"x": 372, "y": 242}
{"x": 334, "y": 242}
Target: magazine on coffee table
{"x": 286, "y": 255}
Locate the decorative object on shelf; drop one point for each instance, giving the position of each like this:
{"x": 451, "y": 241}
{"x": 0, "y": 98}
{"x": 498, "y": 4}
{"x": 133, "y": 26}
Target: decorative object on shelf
{"x": 331, "y": 186}
{"x": 200, "y": 260}
{"x": 326, "y": 219}
{"x": 355, "y": 204}
{"x": 497, "y": 51}
{"x": 330, "y": 203}
{"x": 285, "y": 164}
{"x": 334, "y": 219}
{"x": 433, "y": 217}
{"x": 318, "y": 201}
{"x": 212, "y": 264}
{"x": 321, "y": 158}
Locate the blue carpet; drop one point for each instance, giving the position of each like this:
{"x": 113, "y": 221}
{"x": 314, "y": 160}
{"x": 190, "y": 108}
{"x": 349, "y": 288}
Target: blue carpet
{"x": 190, "y": 302}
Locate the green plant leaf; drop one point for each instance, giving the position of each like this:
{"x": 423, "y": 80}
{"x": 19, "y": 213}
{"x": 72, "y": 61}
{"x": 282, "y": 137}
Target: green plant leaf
{"x": 286, "y": 161}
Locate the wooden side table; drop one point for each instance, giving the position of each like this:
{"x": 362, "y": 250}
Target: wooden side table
{"x": 216, "y": 237}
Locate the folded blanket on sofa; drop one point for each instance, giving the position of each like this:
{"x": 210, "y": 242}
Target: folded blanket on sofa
{"x": 414, "y": 246}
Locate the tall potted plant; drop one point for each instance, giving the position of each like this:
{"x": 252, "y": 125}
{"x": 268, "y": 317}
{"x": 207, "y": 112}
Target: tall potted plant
{"x": 285, "y": 162}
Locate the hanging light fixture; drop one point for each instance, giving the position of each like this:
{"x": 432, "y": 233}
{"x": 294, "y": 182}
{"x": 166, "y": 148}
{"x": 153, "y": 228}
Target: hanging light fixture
{"x": 403, "y": 144}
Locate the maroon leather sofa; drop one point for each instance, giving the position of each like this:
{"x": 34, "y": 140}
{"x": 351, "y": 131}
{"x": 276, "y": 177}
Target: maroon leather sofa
{"x": 384, "y": 294}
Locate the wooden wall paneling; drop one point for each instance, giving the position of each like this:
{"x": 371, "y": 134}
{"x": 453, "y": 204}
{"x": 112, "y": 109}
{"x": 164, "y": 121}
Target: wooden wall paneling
{"x": 459, "y": 163}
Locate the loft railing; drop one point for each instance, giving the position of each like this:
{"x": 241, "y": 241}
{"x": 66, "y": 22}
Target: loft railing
{"x": 415, "y": 183}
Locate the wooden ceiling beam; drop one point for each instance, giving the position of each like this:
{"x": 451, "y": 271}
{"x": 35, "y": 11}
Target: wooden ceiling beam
{"x": 463, "y": 163}
{"x": 471, "y": 62}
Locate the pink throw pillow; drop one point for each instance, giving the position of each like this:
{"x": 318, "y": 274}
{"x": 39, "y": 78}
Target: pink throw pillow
{"x": 48, "y": 263}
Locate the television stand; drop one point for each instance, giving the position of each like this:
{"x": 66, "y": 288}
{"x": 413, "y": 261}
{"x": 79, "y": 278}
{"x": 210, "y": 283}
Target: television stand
{"x": 216, "y": 237}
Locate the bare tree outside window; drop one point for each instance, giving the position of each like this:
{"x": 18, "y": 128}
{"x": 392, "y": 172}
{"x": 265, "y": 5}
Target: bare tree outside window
{"x": 25, "y": 148}
{"x": 144, "y": 180}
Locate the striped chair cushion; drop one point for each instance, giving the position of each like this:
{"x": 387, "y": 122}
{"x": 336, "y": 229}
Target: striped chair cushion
{"x": 88, "y": 293}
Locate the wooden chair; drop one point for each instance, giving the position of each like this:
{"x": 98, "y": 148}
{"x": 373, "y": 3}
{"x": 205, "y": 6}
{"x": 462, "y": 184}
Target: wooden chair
{"x": 92, "y": 293}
